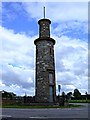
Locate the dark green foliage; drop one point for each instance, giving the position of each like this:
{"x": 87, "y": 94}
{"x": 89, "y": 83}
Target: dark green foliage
{"x": 8, "y": 94}
{"x": 77, "y": 94}
{"x": 69, "y": 95}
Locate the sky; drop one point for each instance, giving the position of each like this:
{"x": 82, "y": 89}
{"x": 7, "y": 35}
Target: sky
{"x": 18, "y": 30}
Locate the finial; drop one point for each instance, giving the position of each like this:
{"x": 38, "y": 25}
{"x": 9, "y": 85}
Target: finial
{"x": 44, "y": 12}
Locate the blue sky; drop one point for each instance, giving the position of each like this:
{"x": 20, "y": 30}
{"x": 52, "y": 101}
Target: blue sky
{"x": 19, "y": 29}
{"x": 15, "y": 17}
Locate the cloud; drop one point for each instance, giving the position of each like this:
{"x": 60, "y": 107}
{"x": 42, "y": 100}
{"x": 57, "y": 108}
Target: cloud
{"x": 72, "y": 29}
{"x": 17, "y": 59}
{"x": 0, "y": 13}
{"x": 61, "y": 11}
{"x": 11, "y": 10}
{"x": 46, "y": 1}
{"x": 71, "y": 52}
{"x": 19, "y": 62}
{"x": 71, "y": 63}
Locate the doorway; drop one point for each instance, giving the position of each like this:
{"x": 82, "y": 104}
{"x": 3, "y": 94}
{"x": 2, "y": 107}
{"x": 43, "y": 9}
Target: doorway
{"x": 51, "y": 93}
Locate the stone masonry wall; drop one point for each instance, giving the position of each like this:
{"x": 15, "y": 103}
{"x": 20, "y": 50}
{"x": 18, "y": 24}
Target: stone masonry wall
{"x": 44, "y": 61}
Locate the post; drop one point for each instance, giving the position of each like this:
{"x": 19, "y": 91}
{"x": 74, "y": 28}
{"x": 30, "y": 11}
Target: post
{"x": 59, "y": 87}
{"x": 86, "y": 96}
{"x": 59, "y": 99}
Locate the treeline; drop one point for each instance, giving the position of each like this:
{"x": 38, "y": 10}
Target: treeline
{"x": 76, "y": 95}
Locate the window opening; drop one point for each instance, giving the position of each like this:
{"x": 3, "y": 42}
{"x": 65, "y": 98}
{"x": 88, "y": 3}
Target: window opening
{"x": 50, "y": 50}
{"x": 50, "y": 78}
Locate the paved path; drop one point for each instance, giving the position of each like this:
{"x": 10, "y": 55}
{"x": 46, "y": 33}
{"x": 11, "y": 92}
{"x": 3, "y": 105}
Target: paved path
{"x": 81, "y": 112}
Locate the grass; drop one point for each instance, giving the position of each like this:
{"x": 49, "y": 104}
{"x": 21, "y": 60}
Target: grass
{"x": 79, "y": 101}
{"x": 32, "y": 107}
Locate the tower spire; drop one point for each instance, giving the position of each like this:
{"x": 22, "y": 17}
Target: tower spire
{"x": 44, "y": 12}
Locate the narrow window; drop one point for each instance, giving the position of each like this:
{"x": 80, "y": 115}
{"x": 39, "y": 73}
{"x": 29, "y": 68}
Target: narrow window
{"x": 50, "y": 78}
{"x": 50, "y": 50}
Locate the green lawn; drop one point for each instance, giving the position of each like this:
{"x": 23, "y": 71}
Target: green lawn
{"x": 79, "y": 101}
{"x": 23, "y": 106}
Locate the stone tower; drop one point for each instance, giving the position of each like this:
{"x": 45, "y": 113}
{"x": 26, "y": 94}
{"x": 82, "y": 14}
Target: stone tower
{"x": 45, "y": 86}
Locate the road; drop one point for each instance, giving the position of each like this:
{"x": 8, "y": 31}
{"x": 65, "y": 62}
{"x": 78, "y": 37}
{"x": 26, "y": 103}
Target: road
{"x": 45, "y": 114}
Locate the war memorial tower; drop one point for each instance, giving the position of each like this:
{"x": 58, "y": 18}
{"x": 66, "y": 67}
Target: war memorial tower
{"x": 45, "y": 85}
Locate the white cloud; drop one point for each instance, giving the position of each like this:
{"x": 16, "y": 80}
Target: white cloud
{"x": 18, "y": 62}
{"x": 71, "y": 28}
{"x": 11, "y": 12}
{"x": 0, "y": 13}
{"x": 45, "y": 1}
{"x": 60, "y": 12}
{"x": 71, "y": 54}
{"x": 71, "y": 63}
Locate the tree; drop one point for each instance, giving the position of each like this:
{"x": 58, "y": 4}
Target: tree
{"x": 77, "y": 94}
{"x": 8, "y": 94}
{"x": 63, "y": 93}
{"x": 69, "y": 95}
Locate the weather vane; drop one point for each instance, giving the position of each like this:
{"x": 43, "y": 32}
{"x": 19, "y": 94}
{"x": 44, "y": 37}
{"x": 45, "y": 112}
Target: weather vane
{"x": 44, "y": 12}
